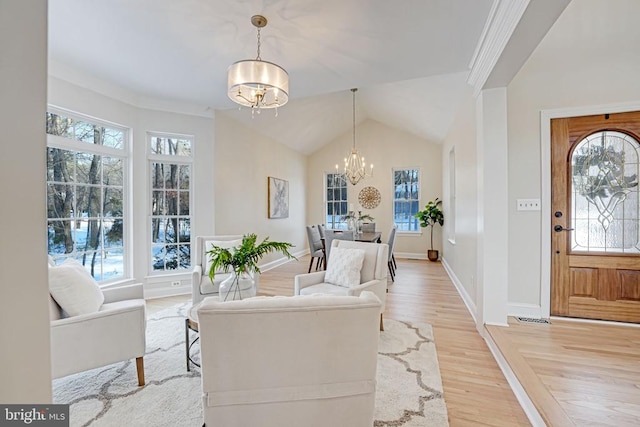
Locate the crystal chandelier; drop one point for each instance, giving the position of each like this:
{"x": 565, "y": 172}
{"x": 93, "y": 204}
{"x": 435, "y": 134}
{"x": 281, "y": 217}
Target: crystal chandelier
{"x": 256, "y": 83}
{"x": 355, "y": 168}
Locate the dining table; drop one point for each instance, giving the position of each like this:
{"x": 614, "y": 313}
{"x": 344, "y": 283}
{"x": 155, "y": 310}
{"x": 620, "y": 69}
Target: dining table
{"x": 368, "y": 236}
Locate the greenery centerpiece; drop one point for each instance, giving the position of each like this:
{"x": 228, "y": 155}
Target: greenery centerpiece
{"x": 354, "y": 222}
{"x": 429, "y": 217}
{"x": 242, "y": 261}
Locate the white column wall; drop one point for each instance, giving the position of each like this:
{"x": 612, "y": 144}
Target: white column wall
{"x": 25, "y": 363}
{"x": 493, "y": 218}
{"x": 460, "y": 253}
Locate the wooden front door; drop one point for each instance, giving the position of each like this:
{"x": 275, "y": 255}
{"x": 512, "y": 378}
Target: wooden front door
{"x": 595, "y": 217}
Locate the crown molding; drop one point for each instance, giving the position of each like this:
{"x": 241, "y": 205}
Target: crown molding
{"x": 500, "y": 25}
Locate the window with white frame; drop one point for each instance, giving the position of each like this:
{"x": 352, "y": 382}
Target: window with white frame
{"x": 335, "y": 201}
{"x": 406, "y": 199}
{"x": 170, "y": 169}
{"x": 451, "y": 220}
{"x": 86, "y": 204}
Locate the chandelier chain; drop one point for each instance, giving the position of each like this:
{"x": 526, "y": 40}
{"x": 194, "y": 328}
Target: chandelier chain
{"x": 258, "y": 57}
{"x": 354, "y": 117}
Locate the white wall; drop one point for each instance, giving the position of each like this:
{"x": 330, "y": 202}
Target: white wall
{"x": 386, "y": 148}
{"x": 243, "y": 161}
{"x": 25, "y": 364}
{"x": 75, "y": 98}
{"x": 588, "y": 58}
{"x": 460, "y": 255}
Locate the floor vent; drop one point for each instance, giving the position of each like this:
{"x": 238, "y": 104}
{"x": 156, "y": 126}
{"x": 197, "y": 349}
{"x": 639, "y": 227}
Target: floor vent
{"x": 532, "y": 320}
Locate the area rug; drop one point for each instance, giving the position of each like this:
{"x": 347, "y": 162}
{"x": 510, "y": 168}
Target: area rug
{"x": 408, "y": 393}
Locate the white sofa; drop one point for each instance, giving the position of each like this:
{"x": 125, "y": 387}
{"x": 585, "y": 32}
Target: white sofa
{"x": 289, "y": 361}
{"x": 373, "y": 274}
{"x": 113, "y": 334}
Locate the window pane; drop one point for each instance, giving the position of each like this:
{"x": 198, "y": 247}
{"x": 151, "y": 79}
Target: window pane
{"x": 185, "y": 173}
{"x": 171, "y": 202}
{"x": 112, "y": 171}
{"x": 112, "y": 233}
{"x": 406, "y": 198}
{"x": 157, "y": 203}
{"x": 113, "y": 138}
{"x": 184, "y": 202}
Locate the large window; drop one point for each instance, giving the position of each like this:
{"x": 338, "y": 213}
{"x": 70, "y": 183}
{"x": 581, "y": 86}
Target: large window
{"x": 86, "y": 163}
{"x": 406, "y": 199}
{"x": 170, "y": 166}
{"x": 336, "y": 200}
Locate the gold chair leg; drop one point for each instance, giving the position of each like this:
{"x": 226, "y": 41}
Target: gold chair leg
{"x": 140, "y": 368}
{"x": 381, "y": 325}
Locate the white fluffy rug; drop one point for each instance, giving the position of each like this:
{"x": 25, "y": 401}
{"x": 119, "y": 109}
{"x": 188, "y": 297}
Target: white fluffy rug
{"x": 409, "y": 389}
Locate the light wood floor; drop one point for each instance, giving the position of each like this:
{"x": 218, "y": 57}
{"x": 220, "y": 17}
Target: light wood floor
{"x": 476, "y": 392}
{"x": 576, "y": 373}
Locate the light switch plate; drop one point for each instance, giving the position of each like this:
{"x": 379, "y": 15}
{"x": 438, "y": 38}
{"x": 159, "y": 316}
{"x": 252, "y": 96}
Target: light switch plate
{"x": 528, "y": 204}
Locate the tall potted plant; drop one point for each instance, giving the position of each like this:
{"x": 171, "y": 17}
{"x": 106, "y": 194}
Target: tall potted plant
{"x": 429, "y": 217}
{"x": 243, "y": 262}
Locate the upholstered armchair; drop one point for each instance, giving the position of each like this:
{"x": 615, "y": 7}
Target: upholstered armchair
{"x": 289, "y": 361}
{"x": 114, "y": 333}
{"x": 349, "y": 275}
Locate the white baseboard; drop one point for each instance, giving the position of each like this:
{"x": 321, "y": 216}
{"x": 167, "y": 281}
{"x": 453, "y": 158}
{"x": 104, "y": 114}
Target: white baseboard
{"x": 409, "y": 255}
{"x": 523, "y": 398}
{"x": 524, "y": 310}
{"x": 165, "y": 291}
{"x": 466, "y": 298}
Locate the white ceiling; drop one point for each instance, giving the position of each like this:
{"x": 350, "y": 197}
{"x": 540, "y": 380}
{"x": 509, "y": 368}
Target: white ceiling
{"x": 410, "y": 59}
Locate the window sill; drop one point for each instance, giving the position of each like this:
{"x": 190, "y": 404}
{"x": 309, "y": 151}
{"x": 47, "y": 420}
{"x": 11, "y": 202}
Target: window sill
{"x": 409, "y": 233}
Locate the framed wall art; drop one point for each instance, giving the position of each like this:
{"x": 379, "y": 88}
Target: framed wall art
{"x": 278, "y": 198}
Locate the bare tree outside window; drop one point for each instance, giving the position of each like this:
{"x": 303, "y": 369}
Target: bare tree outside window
{"x": 85, "y": 193}
{"x": 170, "y": 166}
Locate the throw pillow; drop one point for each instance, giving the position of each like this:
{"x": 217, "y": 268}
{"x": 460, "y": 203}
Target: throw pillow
{"x": 74, "y": 289}
{"x": 343, "y": 268}
{"x": 225, "y": 244}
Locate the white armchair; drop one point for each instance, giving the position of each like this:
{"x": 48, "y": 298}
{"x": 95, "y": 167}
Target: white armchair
{"x": 373, "y": 274}
{"x": 289, "y": 361}
{"x": 113, "y": 334}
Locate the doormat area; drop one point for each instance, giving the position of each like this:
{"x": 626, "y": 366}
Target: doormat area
{"x": 532, "y": 320}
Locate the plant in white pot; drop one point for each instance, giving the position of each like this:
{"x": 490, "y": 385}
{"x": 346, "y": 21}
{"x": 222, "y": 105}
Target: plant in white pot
{"x": 243, "y": 262}
{"x": 429, "y": 217}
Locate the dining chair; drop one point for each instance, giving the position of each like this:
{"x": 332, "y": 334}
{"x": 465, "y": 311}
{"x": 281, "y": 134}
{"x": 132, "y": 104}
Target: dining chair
{"x": 331, "y": 235}
{"x": 316, "y": 247}
{"x": 391, "y": 262}
{"x": 321, "y": 229}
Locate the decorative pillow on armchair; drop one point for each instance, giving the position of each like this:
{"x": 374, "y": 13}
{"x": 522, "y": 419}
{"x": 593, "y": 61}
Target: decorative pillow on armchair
{"x": 343, "y": 268}
{"x": 74, "y": 289}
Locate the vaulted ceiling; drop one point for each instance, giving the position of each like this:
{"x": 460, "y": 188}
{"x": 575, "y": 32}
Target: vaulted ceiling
{"x": 410, "y": 59}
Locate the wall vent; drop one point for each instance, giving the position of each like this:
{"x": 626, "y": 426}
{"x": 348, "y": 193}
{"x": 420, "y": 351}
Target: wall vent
{"x": 532, "y": 320}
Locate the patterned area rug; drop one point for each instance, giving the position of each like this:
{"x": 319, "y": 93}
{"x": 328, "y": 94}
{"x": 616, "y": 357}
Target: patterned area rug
{"x": 409, "y": 388}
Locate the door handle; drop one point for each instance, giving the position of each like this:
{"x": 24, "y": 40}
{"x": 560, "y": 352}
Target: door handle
{"x": 558, "y": 228}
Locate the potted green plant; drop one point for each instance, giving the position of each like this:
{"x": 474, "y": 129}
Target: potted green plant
{"x": 429, "y": 217}
{"x": 243, "y": 262}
